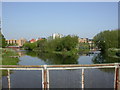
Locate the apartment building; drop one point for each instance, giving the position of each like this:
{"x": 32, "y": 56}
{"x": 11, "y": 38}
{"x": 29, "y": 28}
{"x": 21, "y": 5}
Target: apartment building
{"x": 18, "y": 42}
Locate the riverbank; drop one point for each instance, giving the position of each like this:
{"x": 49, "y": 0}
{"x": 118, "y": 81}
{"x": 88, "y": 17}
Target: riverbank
{"x": 9, "y": 57}
{"x": 114, "y": 52}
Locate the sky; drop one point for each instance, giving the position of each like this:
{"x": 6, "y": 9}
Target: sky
{"x": 42, "y": 19}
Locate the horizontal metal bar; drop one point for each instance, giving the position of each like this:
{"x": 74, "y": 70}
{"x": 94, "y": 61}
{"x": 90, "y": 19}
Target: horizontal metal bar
{"x": 58, "y": 68}
{"x": 23, "y": 66}
{"x": 66, "y": 68}
{"x": 20, "y": 68}
{"x": 89, "y": 65}
{"x": 48, "y": 66}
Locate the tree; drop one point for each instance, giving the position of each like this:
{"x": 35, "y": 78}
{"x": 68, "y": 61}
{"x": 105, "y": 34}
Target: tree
{"x": 30, "y": 46}
{"x": 41, "y": 44}
{"x": 2, "y": 40}
{"x": 107, "y": 39}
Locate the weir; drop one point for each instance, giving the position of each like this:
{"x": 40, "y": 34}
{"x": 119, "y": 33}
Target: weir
{"x": 47, "y": 68}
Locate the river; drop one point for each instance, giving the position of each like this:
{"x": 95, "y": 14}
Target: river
{"x": 94, "y": 78}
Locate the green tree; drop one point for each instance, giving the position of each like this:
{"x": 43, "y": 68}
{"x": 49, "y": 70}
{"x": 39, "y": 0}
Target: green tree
{"x": 107, "y": 39}
{"x": 41, "y": 45}
{"x": 2, "y": 40}
{"x": 69, "y": 43}
{"x": 30, "y": 46}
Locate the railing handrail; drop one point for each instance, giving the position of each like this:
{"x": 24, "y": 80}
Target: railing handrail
{"x": 50, "y": 66}
{"x": 45, "y": 71}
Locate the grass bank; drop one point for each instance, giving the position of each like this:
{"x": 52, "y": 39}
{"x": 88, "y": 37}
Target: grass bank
{"x": 114, "y": 52}
{"x": 9, "y": 57}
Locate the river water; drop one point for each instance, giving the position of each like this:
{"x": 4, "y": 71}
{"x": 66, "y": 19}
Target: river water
{"x": 94, "y": 78}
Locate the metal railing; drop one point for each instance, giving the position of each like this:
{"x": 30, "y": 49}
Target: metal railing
{"x": 46, "y": 68}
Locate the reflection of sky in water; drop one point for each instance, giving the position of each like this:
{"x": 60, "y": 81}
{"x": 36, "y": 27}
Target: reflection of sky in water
{"x": 29, "y": 60}
{"x": 85, "y": 60}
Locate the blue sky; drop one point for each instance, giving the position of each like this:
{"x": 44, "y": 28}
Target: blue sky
{"x": 41, "y": 19}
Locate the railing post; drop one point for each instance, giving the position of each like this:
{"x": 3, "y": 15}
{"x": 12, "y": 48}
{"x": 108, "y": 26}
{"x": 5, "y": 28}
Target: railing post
{"x": 45, "y": 78}
{"x": 8, "y": 78}
{"x": 82, "y": 79}
{"x": 117, "y": 77}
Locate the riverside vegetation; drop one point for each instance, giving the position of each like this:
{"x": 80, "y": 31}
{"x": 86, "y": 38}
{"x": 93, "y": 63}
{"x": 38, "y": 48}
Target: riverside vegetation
{"x": 8, "y": 58}
{"x": 109, "y": 42}
{"x": 6, "y": 54}
{"x": 67, "y": 45}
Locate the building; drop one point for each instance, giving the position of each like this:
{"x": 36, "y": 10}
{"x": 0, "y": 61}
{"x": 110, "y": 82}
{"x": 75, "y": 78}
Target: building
{"x": 56, "y": 35}
{"x": 18, "y": 42}
{"x": 21, "y": 41}
{"x": 33, "y": 40}
{"x": 83, "y": 40}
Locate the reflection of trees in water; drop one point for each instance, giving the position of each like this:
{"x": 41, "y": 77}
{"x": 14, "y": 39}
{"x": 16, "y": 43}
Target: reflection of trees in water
{"x": 104, "y": 58}
{"x": 51, "y": 58}
{"x": 101, "y": 58}
{"x": 31, "y": 53}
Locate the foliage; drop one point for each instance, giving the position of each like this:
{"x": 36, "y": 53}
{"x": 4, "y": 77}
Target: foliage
{"x": 41, "y": 44}
{"x": 107, "y": 39}
{"x": 30, "y": 46}
{"x": 2, "y": 40}
{"x": 67, "y": 43}
{"x": 7, "y": 59}
{"x": 64, "y": 44}
{"x": 114, "y": 52}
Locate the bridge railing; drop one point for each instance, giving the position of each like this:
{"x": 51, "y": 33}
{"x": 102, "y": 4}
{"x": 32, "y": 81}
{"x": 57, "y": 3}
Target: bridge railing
{"x": 46, "y": 68}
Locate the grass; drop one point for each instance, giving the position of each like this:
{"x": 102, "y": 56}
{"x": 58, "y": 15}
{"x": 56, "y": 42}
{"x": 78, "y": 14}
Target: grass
{"x": 112, "y": 52}
{"x": 6, "y": 58}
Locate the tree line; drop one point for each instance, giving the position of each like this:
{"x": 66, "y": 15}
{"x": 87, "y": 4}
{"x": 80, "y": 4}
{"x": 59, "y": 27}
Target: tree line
{"x": 65, "y": 44}
{"x": 108, "y": 41}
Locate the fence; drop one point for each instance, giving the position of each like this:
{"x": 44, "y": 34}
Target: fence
{"x": 46, "y": 68}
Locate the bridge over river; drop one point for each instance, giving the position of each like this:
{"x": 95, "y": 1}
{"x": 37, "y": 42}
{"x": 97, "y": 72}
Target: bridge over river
{"x": 47, "y": 71}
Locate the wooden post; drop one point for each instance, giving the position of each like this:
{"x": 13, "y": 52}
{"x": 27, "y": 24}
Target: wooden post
{"x": 82, "y": 79}
{"x": 8, "y": 77}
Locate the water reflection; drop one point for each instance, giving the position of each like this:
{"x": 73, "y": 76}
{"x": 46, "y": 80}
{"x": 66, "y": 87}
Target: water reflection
{"x": 62, "y": 78}
{"x": 85, "y": 58}
{"x": 104, "y": 58}
{"x": 51, "y": 58}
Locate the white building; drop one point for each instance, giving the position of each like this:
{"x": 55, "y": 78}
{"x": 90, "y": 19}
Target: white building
{"x": 56, "y": 35}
